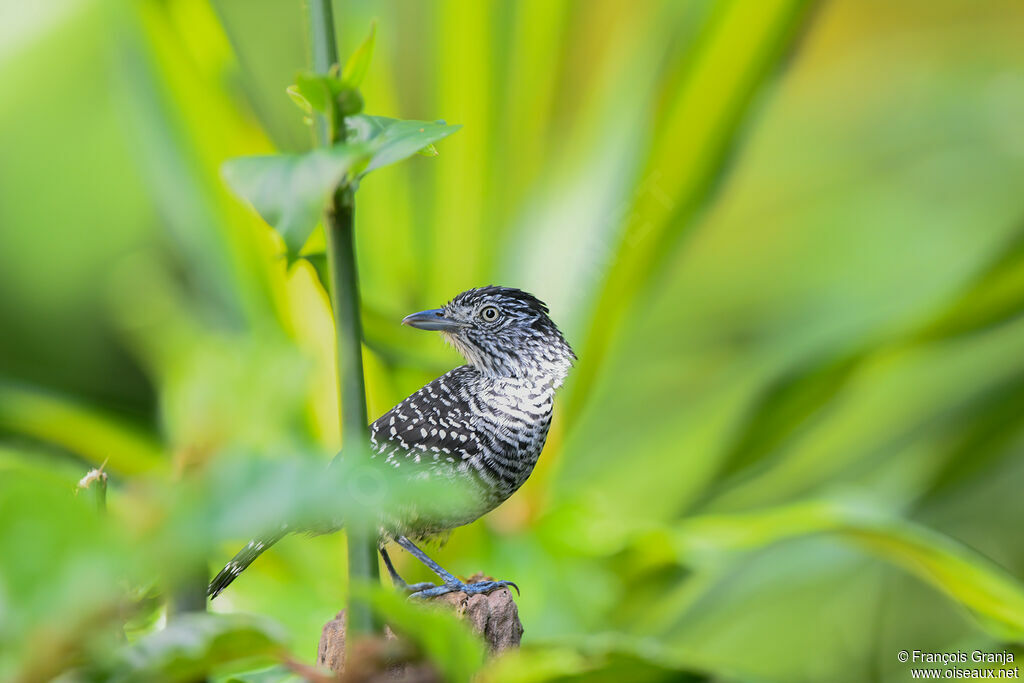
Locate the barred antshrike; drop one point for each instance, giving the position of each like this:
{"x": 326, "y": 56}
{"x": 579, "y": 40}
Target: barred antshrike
{"x": 481, "y": 425}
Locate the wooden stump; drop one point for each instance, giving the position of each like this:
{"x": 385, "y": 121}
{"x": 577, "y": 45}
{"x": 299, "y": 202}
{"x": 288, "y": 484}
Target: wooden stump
{"x": 494, "y": 616}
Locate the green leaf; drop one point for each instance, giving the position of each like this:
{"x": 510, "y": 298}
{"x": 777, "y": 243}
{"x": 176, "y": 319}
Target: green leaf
{"x": 88, "y": 432}
{"x": 328, "y": 95}
{"x": 193, "y": 645}
{"x": 604, "y": 657}
{"x": 63, "y": 569}
{"x": 290, "y": 192}
{"x": 740, "y": 47}
{"x": 315, "y": 89}
{"x": 318, "y": 91}
{"x": 428, "y": 151}
{"x": 274, "y": 674}
{"x": 358, "y": 64}
{"x": 299, "y": 99}
{"x": 349, "y": 101}
{"x": 989, "y": 592}
{"x": 392, "y": 140}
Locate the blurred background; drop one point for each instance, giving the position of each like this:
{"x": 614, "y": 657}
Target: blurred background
{"x": 785, "y": 238}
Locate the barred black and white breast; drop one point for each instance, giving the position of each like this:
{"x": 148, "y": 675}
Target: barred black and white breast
{"x": 465, "y": 426}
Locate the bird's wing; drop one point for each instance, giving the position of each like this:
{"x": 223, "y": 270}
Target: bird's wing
{"x": 432, "y": 426}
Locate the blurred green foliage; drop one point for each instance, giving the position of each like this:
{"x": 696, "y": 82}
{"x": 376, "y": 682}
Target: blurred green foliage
{"x": 784, "y": 238}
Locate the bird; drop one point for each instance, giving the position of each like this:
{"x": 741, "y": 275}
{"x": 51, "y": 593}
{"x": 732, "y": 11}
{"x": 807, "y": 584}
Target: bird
{"x": 479, "y": 428}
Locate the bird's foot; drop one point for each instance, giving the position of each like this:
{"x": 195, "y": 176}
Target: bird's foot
{"x": 475, "y": 588}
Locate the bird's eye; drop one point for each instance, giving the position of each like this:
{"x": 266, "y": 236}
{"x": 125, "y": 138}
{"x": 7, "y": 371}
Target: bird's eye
{"x": 489, "y": 313}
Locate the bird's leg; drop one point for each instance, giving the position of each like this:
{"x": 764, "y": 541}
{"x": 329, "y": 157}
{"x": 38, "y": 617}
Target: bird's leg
{"x": 397, "y": 581}
{"x": 451, "y": 583}
{"x": 443, "y": 573}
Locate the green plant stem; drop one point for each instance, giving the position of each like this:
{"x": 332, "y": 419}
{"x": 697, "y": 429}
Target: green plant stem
{"x": 101, "y": 493}
{"x": 341, "y": 258}
{"x": 325, "y": 55}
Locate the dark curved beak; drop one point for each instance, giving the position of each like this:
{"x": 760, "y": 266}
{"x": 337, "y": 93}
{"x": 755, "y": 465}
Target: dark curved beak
{"x": 434, "y": 320}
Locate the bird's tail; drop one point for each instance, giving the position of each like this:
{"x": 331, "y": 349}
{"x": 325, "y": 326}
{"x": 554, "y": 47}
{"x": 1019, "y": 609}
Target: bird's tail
{"x": 241, "y": 560}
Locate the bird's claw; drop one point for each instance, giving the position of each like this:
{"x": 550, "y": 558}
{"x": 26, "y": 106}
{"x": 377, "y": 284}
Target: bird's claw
{"x": 477, "y": 588}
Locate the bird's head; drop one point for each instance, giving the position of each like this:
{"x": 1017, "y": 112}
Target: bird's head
{"x": 502, "y": 332}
